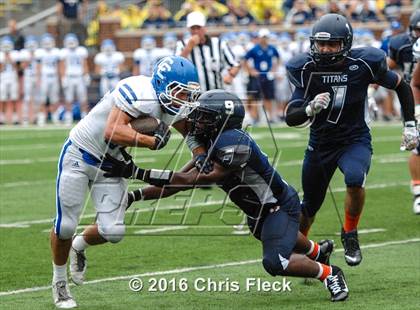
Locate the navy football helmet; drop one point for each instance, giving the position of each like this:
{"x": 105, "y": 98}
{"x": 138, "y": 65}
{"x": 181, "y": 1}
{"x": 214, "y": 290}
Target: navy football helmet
{"x": 175, "y": 81}
{"x": 414, "y": 23}
{"x": 331, "y": 27}
{"x": 217, "y": 110}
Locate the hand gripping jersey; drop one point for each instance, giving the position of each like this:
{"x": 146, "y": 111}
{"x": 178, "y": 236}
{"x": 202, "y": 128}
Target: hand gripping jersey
{"x": 345, "y": 119}
{"x": 254, "y": 185}
{"x": 135, "y": 96}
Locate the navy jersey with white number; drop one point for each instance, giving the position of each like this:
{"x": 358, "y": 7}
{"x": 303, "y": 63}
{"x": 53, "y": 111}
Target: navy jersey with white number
{"x": 345, "y": 119}
{"x": 254, "y": 185}
{"x": 401, "y": 51}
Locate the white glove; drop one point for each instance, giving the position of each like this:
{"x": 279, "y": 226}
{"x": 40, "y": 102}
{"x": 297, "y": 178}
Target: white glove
{"x": 64, "y": 82}
{"x": 320, "y": 102}
{"x": 86, "y": 78}
{"x": 417, "y": 113}
{"x": 410, "y": 137}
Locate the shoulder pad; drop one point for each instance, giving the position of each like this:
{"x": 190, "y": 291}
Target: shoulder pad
{"x": 232, "y": 149}
{"x": 399, "y": 40}
{"x": 295, "y": 67}
{"x": 374, "y": 58}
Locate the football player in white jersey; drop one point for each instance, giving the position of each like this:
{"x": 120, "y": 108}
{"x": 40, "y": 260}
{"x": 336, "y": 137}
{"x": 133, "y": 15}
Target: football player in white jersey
{"x": 167, "y": 96}
{"x": 9, "y": 86}
{"x": 169, "y": 44}
{"x": 74, "y": 75}
{"x": 414, "y": 161}
{"x": 48, "y": 57}
{"x": 30, "y": 83}
{"x": 145, "y": 57}
{"x": 108, "y": 64}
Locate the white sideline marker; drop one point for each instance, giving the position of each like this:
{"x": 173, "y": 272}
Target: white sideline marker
{"x": 189, "y": 269}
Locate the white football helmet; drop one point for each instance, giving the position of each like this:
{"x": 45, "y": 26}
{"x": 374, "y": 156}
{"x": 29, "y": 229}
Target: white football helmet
{"x": 31, "y": 43}
{"x": 6, "y": 44}
{"x": 71, "y": 41}
{"x": 47, "y": 41}
{"x": 108, "y": 46}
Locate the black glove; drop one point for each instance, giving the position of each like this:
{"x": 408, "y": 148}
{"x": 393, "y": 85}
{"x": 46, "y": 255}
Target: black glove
{"x": 203, "y": 164}
{"x": 134, "y": 196}
{"x": 127, "y": 169}
{"x": 121, "y": 168}
{"x": 162, "y": 135}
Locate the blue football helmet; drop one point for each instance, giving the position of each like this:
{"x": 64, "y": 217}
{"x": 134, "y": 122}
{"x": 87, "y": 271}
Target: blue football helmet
{"x": 6, "y": 44}
{"x": 173, "y": 76}
{"x": 107, "y": 46}
{"x": 71, "y": 41}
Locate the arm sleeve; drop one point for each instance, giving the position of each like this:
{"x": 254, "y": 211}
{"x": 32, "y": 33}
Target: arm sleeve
{"x": 296, "y": 114}
{"x": 405, "y": 95}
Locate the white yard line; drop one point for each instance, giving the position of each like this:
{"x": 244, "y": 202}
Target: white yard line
{"x": 191, "y": 269}
{"x": 161, "y": 229}
{"x": 366, "y": 231}
{"x": 50, "y": 160}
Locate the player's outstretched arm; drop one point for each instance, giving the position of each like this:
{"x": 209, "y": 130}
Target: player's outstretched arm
{"x": 119, "y": 132}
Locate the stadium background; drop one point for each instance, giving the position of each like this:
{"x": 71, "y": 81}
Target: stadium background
{"x": 211, "y": 242}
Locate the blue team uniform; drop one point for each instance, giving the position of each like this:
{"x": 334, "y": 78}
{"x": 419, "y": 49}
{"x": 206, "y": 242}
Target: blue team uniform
{"x": 262, "y": 86}
{"x": 401, "y": 51}
{"x": 339, "y": 135}
{"x": 272, "y": 206}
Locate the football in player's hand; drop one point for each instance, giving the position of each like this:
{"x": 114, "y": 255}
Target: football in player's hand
{"x": 145, "y": 125}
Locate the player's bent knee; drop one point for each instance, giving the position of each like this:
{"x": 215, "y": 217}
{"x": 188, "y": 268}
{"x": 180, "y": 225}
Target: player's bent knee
{"x": 66, "y": 229}
{"x": 274, "y": 266}
{"x": 112, "y": 233}
{"x": 355, "y": 179}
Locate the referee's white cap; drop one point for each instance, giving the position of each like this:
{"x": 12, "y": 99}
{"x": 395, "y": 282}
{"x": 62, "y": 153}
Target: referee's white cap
{"x": 196, "y": 19}
{"x": 264, "y": 32}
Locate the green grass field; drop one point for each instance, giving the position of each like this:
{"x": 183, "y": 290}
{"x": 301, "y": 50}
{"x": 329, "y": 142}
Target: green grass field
{"x": 192, "y": 235}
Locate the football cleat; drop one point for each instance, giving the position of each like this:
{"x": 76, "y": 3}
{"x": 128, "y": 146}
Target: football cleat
{"x": 416, "y": 205}
{"x": 326, "y": 247}
{"x": 62, "y": 297}
{"x": 78, "y": 265}
{"x": 352, "y": 252}
{"x": 336, "y": 284}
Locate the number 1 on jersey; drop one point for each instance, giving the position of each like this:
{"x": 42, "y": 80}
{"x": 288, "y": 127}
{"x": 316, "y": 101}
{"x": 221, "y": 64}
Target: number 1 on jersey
{"x": 337, "y": 103}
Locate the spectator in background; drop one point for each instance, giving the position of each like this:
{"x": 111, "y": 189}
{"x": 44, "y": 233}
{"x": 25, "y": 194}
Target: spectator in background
{"x": 265, "y": 58}
{"x": 213, "y": 10}
{"x": 70, "y": 16}
{"x": 186, "y": 8}
{"x": 365, "y": 12}
{"x": 15, "y": 35}
{"x": 239, "y": 11}
{"x": 266, "y": 12}
{"x": 392, "y": 10}
{"x": 395, "y": 29}
{"x": 132, "y": 17}
{"x": 93, "y": 26}
{"x": 156, "y": 15}
{"x": 335, "y": 8}
{"x": 300, "y": 14}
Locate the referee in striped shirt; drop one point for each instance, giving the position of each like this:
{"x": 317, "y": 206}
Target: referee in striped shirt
{"x": 210, "y": 55}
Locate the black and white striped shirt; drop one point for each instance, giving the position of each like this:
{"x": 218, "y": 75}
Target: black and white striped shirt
{"x": 210, "y": 59}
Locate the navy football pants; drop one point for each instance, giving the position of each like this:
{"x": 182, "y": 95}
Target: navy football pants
{"x": 319, "y": 167}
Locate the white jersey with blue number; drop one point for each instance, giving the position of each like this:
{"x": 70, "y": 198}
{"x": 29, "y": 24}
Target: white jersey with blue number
{"x": 135, "y": 96}
{"x": 109, "y": 63}
{"x": 74, "y": 60}
{"x": 49, "y": 61}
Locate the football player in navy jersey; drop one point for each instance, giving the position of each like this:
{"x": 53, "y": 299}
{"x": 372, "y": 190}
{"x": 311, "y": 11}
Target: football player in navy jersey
{"x": 401, "y": 57}
{"x": 331, "y": 93}
{"x": 243, "y": 171}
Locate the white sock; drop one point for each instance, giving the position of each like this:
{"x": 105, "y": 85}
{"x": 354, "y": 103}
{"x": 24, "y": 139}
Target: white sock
{"x": 59, "y": 273}
{"x": 79, "y": 243}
